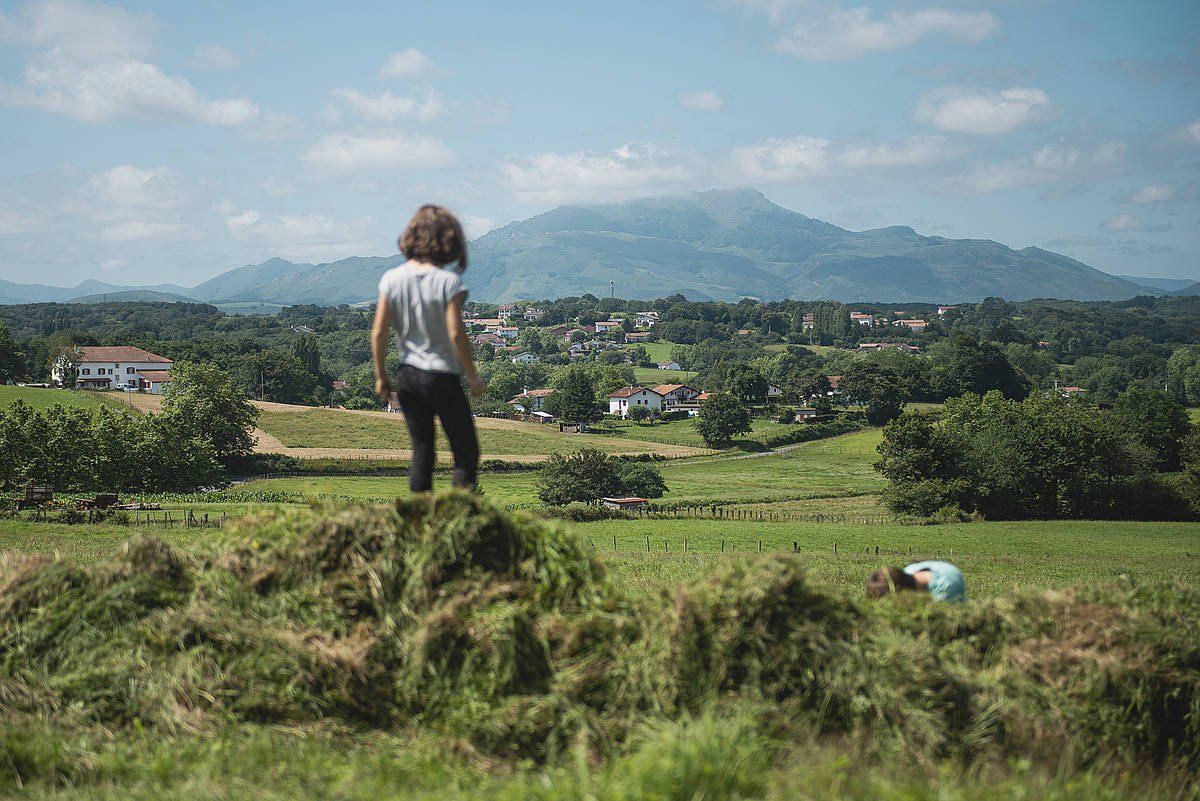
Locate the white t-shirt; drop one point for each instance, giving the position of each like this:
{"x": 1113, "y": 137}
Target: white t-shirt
{"x": 419, "y": 296}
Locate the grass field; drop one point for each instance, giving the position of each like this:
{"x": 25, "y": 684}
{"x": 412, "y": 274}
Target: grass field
{"x": 683, "y": 432}
{"x": 40, "y": 398}
{"x": 330, "y": 428}
{"x": 650, "y": 377}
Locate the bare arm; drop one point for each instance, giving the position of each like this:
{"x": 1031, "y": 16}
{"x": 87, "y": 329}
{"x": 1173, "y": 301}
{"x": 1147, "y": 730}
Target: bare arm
{"x": 379, "y": 346}
{"x": 462, "y": 345}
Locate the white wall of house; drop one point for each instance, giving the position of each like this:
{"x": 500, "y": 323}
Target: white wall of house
{"x": 645, "y": 398}
{"x": 120, "y": 374}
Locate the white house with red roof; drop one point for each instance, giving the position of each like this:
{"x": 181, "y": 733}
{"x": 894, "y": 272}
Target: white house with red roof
{"x": 116, "y": 367}
{"x": 533, "y": 400}
{"x": 675, "y": 394}
{"x": 623, "y": 399}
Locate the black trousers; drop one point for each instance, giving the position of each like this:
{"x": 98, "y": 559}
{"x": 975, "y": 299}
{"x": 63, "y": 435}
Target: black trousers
{"x": 422, "y": 395}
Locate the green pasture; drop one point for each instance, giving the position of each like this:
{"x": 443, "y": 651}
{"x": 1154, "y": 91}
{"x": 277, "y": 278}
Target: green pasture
{"x": 683, "y": 432}
{"x": 658, "y": 351}
{"x": 42, "y": 398}
{"x": 330, "y": 428}
{"x": 652, "y": 377}
{"x": 997, "y": 558}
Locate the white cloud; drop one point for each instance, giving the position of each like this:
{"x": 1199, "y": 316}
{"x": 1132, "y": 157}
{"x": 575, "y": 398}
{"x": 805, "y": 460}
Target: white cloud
{"x": 84, "y": 32}
{"x": 276, "y": 187}
{"x": 214, "y": 57}
{"x": 128, "y": 188}
{"x": 410, "y": 63}
{"x": 796, "y": 157}
{"x": 119, "y": 89}
{"x": 1122, "y": 222}
{"x": 981, "y": 111}
{"x": 702, "y": 101}
{"x": 310, "y": 237}
{"x": 91, "y": 66}
{"x": 1050, "y": 164}
{"x": 1154, "y": 193}
{"x": 387, "y": 107}
{"x": 1191, "y": 132}
{"x": 627, "y": 171}
{"x": 841, "y": 34}
{"x": 346, "y": 153}
{"x": 476, "y": 226}
{"x": 141, "y": 230}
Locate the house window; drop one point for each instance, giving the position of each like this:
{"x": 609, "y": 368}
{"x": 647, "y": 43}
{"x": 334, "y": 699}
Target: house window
{"x": 85, "y": 371}
{"x": 129, "y": 371}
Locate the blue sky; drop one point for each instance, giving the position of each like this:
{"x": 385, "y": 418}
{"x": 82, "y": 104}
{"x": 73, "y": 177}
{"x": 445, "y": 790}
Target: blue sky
{"x": 168, "y": 142}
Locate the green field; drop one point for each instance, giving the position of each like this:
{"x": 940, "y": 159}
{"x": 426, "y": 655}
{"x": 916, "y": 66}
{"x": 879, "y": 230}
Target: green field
{"x": 658, "y": 351}
{"x": 330, "y": 428}
{"x": 40, "y": 398}
{"x": 650, "y": 377}
{"x": 683, "y": 432}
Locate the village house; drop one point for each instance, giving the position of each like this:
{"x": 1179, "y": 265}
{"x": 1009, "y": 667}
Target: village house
{"x": 915, "y": 326}
{"x": 675, "y": 394}
{"x": 669, "y": 365}
{"x": 807, "y": 322}
{"x": 508, "y": 331}
{"x": 638, "y": 336}
{"x": 487, "y": 322}
{"x": 525, "y": 357}
{"x": 900, "y": 346}
{"x": 805, "y": 414}
{"x": 942, "y": 310}
{"x": 646, "y": 319}
{"x": 774, "y": 392}
{"x": 1072, "y": 392}
{"x": 862, "y": 318}
{"x": 619, "y": 402}
{"x": 119, "y": 367}
{"x": 604, "y": 326}
{"x": 487, "y": 339}
{"x": 507, "y": 310}
{"x": 530, "y": 401}
{"x": 533, "y": 314}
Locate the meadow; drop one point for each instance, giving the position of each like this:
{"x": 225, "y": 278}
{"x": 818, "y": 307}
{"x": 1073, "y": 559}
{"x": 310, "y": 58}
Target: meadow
{"x": 44, "y": 398}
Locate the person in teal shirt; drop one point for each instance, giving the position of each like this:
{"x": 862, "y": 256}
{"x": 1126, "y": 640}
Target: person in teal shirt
{"x": 942, "y": 580}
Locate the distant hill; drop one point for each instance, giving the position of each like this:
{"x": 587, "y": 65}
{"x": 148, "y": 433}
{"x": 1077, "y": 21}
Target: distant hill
{"x": 716, "y": 245}
{"x": 1162, "y": 284}
{"x": 1194, "y": 289}
{"x": 131, "y": 295}
{"x": 730, "y": 244}
{"x": 12, "y": 293}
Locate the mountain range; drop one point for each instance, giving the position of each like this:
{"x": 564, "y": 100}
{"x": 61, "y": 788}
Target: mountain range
{"x": 715, "y": 245}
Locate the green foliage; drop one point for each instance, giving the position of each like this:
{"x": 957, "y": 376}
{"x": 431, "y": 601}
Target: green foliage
{"x": 589, "y": 474}
{"x": 575, "y": 397}
{"x": 74, "y": 448}
{"x": 970, "y": 365}
{"x": 877, "y": 389}
{"x": 12, "y": 359}
{"x": 1044, "y": 457}
{"x": 638, "y": 414}
{"x": 204, "y": 401}
{"x": 1156, "y": 420}
{"x": 722, "y": 417}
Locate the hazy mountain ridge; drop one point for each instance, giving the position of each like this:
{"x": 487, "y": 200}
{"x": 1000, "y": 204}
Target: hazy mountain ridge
{"x": 719, "y": 245}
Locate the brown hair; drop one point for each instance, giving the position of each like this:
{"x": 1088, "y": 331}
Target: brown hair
{"x": 883, "y": 580}
{"x": 435, "y": 236}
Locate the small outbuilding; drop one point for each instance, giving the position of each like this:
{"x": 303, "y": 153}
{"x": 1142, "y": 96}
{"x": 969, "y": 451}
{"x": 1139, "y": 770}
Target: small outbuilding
{"x": 625, "y": 504}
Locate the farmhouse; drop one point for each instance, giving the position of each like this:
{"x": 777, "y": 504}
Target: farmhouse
{"x": 916, "y": 326}
{"x": 533, "y": 314}
{"x": 508, "y": 331}
{"x": 638, "y": 336}
{"x": 507, "y": 310}
{"x": 669, "y": 365}
{"x": 525, "y": 357}
{"x": 675, "y": 394}
{"x": 487, "y": 339}
{"x": 119, "y": 367}
{"x": 942, "y": 310}
{"x": 862, "y": 318}
{"x": 620, "y": 401}
{"x": 646, "y": 319}
{"x": 774, "y": 391}
{"x": 604, "y": 326}
{"x": 533, "y": 400}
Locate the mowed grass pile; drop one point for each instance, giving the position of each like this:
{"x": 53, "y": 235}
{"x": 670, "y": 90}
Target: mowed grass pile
{"x": 498, "y": 636}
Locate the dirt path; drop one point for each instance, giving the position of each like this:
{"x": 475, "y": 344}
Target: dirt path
{"x": 267, "y": 443}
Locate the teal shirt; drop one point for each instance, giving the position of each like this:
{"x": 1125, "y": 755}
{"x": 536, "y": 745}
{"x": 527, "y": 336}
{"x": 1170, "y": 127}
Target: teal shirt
{"x": 945, "y": 582}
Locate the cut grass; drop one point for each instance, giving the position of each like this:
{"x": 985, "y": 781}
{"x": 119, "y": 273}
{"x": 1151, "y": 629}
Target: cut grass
{"x": 332, "y": 428}
{"x": 683, "y": 432}
{"x": 652, "y": 377}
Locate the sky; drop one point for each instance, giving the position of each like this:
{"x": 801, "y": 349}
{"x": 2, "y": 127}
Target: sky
{"x": 168, "y": 142}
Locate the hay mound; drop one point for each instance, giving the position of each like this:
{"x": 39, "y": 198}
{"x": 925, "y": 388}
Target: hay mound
{"x": 500, "y": 632}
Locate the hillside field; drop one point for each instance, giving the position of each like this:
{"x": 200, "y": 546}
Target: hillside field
{"x": 43, "y": 398}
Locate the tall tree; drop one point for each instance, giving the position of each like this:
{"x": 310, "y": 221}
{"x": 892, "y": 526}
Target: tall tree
{"x": 1156, "y": 420}
{"x": 722, "y": 417}
{"x": 576, "y": 396}
{"x": 205, "y": 401}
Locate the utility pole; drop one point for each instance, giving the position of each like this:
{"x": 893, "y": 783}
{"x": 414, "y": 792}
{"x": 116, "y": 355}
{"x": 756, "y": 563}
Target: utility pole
{"x": 612, "y": 289}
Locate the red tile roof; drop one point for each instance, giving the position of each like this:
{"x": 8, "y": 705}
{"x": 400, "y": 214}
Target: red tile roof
{"x": 155, "y": 375}
{"x": 120, "y": 353}
{"x": 625, "y": 392}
